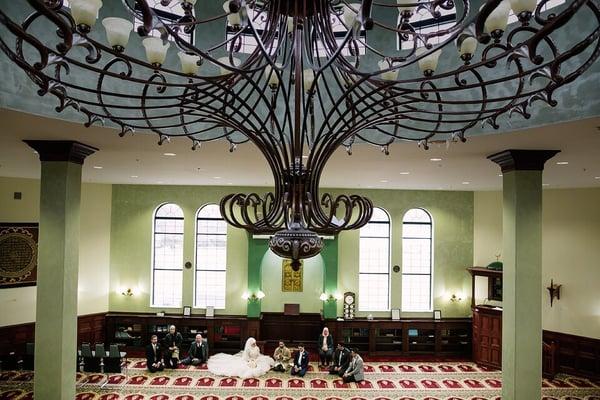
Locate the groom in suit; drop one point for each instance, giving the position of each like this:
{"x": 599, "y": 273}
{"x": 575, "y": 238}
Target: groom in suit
{"x": 356, "y": 369}
{"x": 154, "y": 356}
{"x": 300, "y": 362}
{"x": 198, "y": 353}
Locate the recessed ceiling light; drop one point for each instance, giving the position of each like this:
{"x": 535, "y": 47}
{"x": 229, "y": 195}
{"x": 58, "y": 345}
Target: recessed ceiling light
{"x": 133, "y": 176}
{"x": 384, "y": 181}
{"x": 562, "y": 163}
{"x": 597, "y": 177}
{"x": 216, "y": 177}
{"x": 169, "y": 154}
{"x": 97, "y": 167}
{"x": 466, "y": 183}
{"x": 435, "y": 159}
{"x": 404, "y": 173}
{"x": 500, "y": 175}
{"x": 545, "y": 184}
{"x": 229, "y": 183}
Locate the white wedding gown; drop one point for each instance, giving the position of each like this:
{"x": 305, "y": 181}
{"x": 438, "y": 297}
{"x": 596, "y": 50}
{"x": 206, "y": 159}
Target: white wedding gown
{"x": 248, "y": 363}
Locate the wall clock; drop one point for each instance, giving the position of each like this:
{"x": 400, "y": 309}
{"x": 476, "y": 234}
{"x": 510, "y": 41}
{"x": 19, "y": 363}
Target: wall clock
{"x": 349, "y": 305}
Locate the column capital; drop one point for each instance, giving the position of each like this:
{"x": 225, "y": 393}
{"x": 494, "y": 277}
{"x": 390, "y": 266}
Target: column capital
{"x": 61, "y": 150}
{"x": 522, "y": 160}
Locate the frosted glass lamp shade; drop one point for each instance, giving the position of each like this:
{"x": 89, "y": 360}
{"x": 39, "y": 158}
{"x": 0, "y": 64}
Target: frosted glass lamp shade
{"x": 308, "y": 77}
{"x": 350, "y": 13}
{"x": 407, "y": 9}
{"x": 498, "y": 19}
{"x": 271, "y": 75}
{"x": 466, "y": 44}
{"x": 234, "y": 19}
{"x": 225, "y": 60}
{"x": 85, "y": 12}
{"x": 117, "y": 31}
{"x": 429, "y": 63}
{"x": 519, "y": 6}
{"x": 156, "y": 51}
{"x": 189, "y": 63}
{"x": 388, "y": 75}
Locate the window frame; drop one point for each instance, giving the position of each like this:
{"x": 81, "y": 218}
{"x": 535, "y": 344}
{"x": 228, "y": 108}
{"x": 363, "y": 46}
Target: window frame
{"x": 164, "y": 15}
{"x": 431, "y": 255}
{"x": 196, "y": 270}
{"x": 389, "y": 262}
{"x": 153, "y": 250}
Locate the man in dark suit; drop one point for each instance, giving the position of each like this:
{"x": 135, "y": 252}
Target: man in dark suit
{"x": 198, "y": 353}
{"x": 356, "y": 369}
{"x": 172, "y": 344}
{"x": 300, "y": 362}
{"x": 154, "y": 357}
{"x": 341, "y": 360}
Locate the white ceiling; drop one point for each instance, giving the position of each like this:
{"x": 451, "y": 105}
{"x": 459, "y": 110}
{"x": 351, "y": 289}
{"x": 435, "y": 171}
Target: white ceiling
{"x": 213, "y": 164}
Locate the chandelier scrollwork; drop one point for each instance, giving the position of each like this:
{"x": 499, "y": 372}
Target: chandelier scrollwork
{"x": 311, "y": 84}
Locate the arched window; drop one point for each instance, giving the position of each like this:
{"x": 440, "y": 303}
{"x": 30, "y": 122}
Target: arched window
{"x": 167, "y": 256}
{"x": 374, "y": 263}
{"x": 211, "y": 257}
{"x": 417, "y": 255}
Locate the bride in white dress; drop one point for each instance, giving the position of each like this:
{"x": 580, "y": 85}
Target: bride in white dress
{"x": 248, "y": 363}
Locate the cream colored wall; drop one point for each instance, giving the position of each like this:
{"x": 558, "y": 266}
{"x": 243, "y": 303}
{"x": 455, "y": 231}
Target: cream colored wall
{"x": 570, "y": 254}
{"x": 17, "y": 305}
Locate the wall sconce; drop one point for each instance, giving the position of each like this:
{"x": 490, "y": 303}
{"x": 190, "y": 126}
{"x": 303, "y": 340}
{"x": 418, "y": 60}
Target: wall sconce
{"x": 127, "y": 292}
{"x": 254, "y": 296}
{"x": 331, "y": 297}
{"x": 455, "y": 298}
{"x": 554, "y": 291}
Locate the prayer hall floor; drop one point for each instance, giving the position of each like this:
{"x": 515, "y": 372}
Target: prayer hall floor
{"x": 384, "y": 381}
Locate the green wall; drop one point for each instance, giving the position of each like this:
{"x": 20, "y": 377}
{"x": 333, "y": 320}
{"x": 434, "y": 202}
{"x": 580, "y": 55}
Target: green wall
{"x": 452, "y": 214}
{"x": 251, "y": 266}
{"x": 131, "y": 245}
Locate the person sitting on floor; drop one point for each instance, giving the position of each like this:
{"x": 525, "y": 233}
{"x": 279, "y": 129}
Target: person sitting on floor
{"x": 341, "y": 360}
{"x": 154, "y": 357}
{"x": 282, "y": 356}
{"x": 325, "y": 346}
{"x": 356, "y": 369}
{"x": 172, "y": 344}
{"x": 300, "y": 362}
{"x": 198, "y": 353}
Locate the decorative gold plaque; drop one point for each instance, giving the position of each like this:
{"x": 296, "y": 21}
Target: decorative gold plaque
{"x": 291, "y": 281}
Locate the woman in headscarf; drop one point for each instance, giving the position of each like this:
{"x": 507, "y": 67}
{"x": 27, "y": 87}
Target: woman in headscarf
{"x": 325, "y": 346}
{"x": 248, "y": 363}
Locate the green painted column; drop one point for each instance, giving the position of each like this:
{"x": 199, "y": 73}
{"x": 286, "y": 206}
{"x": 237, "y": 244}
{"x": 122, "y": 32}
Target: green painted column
{"x": 256, "y": 252}
{"x": 58, "y": 264}
{"x": 522, "y": 277}
{"x": 330, "y": 278}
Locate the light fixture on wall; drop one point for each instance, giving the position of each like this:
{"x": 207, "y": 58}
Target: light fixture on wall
{"x": 254, "y": 297}
{"x": 456, "y": 298}
{"x": 554, "y": 291}
{"x": 305, "y": 90}
{"x": 331, "y": 297}
{"x": 129, "y": 292}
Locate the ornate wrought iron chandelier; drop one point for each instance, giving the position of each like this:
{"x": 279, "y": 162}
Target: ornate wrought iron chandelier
{"x": 306, "y": 89}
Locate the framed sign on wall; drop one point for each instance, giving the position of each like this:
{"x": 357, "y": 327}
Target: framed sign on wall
{"x": 18, "y": 254}
{"x": 291, "y": 281}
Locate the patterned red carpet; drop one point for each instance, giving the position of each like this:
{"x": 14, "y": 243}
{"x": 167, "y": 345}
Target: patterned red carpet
{"x": 397, "y": 381}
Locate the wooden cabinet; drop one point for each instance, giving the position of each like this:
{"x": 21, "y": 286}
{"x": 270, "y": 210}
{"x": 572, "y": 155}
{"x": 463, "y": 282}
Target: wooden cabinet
{"x": 224, "y": 334}
{"x": 487, "y": 336}
{"x": 414, "y": 337}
